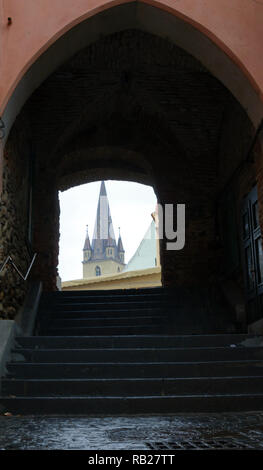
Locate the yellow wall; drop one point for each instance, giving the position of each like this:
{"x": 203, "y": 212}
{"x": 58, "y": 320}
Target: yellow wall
{"x": 133, "y": 279}
{"x": 107, "y": 267}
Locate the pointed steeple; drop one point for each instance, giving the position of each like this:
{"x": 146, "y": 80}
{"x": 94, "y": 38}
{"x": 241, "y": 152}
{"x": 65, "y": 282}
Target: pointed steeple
{"x": 121, "y": 250}
{"x": 103, "y": 189}
{"x": 103, "y": 231}
{"x": 87, "y": 245}
{"x": 87, "y": 250}
{"x": 120, "y": 245}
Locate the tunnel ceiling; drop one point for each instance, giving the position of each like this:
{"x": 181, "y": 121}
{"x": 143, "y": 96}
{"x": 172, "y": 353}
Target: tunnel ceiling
{"x": 132, "y": 91}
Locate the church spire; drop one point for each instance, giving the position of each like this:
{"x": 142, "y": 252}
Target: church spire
{"x": 87, "y": 250}
{"x": 103, "y": 189}
{"x": 120, "y": 245}
{"x": 121, "y": 250}
{"x": 103, "y": 231}
{"x": 87, "y": 245}
{"x": 103, "y": 255}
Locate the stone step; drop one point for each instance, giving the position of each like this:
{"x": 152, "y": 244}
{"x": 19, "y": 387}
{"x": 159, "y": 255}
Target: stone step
{"x": 104, "y": 330}
{"x": 110, "y": 309}
{"x": 110, "y": 292}
{"x": 129, "y": 341}
{"x": 131, "y": 387}
{"x": 134, "y": 369}
{"x": 128, "y": 298}
{"x": 132, "y": 404}
{"x": 73, "y": 314}
{"x": 103, "y": 296}
{"x": 137, "y": 355}
{"x": 111, "y": 305}
{"x": 104, "y": 321}
{"x": 128, "y": 352}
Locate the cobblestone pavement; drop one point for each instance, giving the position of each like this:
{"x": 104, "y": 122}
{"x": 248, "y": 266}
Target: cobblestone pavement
{"x": 181, "y": 431}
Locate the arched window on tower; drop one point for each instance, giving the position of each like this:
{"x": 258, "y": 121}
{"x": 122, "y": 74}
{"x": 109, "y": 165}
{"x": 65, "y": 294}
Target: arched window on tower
{"x": 98, "y": 271}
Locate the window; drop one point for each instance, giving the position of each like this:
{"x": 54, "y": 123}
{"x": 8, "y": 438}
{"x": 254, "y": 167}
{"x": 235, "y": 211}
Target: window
{"x": 98, "y": 271}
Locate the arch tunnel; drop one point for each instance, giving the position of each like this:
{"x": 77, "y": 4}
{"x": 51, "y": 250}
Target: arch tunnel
{"x": 129, "y": 91}
{"x": 156, "y": 92}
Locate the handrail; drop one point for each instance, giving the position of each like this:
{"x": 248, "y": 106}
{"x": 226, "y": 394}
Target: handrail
{"x": 10, "y": 260}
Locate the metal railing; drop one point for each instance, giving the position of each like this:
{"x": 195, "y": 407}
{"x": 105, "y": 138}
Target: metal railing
{"x": 10, "y": 260}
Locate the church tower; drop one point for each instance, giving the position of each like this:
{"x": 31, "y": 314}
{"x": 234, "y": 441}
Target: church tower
{"x": 103, "y": 256}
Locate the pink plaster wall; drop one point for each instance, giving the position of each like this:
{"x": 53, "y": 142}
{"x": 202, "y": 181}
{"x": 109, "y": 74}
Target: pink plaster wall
{"x": 236, "y": 26}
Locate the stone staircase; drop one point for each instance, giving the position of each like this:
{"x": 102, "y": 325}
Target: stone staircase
{"x": 131, "y": 352}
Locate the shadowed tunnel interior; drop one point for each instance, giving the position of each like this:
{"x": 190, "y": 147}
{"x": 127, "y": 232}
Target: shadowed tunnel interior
{"x": 133, "y": 106}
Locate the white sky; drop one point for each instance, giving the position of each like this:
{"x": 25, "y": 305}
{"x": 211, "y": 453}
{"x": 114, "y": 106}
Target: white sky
{"x": 131, "y": 205}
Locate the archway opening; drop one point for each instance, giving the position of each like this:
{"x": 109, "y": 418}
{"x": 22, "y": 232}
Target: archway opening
{"x": 108, "y": 230}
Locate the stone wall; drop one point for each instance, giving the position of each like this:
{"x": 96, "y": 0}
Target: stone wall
{"x": 14, "y": 221}
{"x": 46, "y": 228}
{"x": 237, "y": 174}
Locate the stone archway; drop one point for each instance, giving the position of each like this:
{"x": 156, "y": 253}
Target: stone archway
{"x": 194, "y": 29}
{"x": 152, "y": 113}
{"x": 136, "y": 105}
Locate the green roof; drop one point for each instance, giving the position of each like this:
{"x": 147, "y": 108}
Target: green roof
{"x": 145, "y": 255}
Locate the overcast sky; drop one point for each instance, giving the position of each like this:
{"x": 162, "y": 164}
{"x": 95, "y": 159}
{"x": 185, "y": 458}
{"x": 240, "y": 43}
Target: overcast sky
{"x": 131, "y": 205}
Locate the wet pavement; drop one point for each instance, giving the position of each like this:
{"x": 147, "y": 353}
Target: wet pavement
{"x": 236, "y": 431}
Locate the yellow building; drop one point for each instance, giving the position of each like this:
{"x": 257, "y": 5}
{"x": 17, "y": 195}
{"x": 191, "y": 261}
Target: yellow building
{"x": 142, "y": 278}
